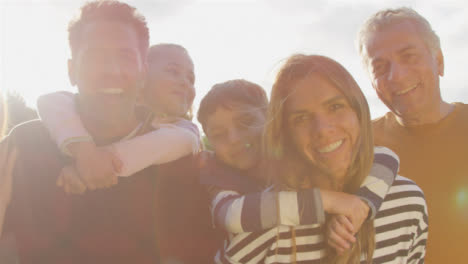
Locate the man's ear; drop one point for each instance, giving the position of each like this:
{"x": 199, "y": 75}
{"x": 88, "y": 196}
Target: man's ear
{"x": 71, "y": 72}
{"x": 440, "y": 62}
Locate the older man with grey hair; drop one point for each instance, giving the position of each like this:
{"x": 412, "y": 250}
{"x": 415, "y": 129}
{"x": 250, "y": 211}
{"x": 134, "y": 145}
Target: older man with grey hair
{"x": 403, "y": 57}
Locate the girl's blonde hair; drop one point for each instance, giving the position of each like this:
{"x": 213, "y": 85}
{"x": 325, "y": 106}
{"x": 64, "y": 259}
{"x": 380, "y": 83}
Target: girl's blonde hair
{"x": 158, "y": 50}
{"x": 278, "y": 148}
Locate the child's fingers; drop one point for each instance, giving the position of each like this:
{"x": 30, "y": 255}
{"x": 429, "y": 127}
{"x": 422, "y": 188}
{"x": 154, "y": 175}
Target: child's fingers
{"x": 347, "y": 230}
{"x": 117, "y": 163}
{"x": 335, "y": 246}
{"x": 73, "y": 183}
{"x": 338, "y": 243}
{"x": 334, "y": 237}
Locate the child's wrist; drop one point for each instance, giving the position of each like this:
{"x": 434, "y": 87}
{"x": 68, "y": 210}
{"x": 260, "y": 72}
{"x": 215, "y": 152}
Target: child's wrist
{"x": 326, "y": 197}
{"x": 73, "y": 146}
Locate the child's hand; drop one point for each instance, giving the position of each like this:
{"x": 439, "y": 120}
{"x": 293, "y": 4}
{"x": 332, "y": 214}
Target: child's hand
{"x": 70, "y": 181}
{"x": 340, "y": 233}
{"x": 350, "y": 206}
{"x": 97, "y": 167}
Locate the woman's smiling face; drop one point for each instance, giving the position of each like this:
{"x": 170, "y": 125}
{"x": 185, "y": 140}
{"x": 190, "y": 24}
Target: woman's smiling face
{"x": 322, "y": 126}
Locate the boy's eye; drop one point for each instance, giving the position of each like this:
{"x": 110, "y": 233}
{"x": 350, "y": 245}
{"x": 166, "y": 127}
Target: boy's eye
{"x": 246, "y": 121}
{"x": 299, "y": 119}
{"x": 336, "y": 106}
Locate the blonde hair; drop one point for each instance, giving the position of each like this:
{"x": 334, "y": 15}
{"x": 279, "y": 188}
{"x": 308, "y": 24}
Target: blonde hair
{"x": 278, "y": 148}
{"x": 156, "y": 51}
{"x": 387, "y": 17}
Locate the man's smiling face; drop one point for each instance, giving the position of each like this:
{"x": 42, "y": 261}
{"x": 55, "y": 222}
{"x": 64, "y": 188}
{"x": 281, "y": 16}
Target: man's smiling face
{"x": 404, "y": 71}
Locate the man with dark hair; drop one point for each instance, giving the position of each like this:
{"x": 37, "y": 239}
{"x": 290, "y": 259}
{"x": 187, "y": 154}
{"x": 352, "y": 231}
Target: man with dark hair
{"x": 404, "y": 59}
{"x": 109, "y": 43}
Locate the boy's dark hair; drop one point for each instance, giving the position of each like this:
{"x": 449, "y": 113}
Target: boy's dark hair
{"x": 108, "y": 10}
{"x": 229, "y": 92}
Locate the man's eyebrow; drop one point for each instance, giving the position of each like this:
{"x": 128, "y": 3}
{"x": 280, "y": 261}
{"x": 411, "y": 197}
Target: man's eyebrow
{"x": 406, "y": 48}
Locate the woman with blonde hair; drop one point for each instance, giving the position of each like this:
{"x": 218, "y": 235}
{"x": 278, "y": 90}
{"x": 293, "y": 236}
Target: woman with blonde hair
{"x": 320, "y": 123}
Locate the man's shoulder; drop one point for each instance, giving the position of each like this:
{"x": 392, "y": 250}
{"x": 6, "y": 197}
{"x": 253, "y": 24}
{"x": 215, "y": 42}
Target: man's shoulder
{"x": 28, "y": 127}
{"x": 382, "y": 121}
{"x": 30, "y": 133}
{"x": 384, "y": 128}
{"x": 463, "y": 109}
{"x": 461, "y": 104}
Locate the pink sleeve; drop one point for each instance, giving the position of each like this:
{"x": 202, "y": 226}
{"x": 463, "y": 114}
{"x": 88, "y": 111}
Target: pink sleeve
{"x": 58, "y": 113}
{"x": 168, "y": 143}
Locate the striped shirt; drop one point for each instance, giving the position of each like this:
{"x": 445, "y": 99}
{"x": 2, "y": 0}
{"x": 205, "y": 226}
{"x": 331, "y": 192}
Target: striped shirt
{"x": 400, "y": 224}
{"x": 237, "y": 212}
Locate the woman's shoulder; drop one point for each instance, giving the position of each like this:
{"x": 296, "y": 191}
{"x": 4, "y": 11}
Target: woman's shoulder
{"x": 405, "y": 183}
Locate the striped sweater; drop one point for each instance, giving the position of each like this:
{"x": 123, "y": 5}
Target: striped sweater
{"x": 400, "y": 224}
{"x": 238, "y": 212}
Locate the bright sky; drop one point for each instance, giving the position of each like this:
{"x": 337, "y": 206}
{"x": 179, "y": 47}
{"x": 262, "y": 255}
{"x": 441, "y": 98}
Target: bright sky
{"x": 227, "y": 39}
